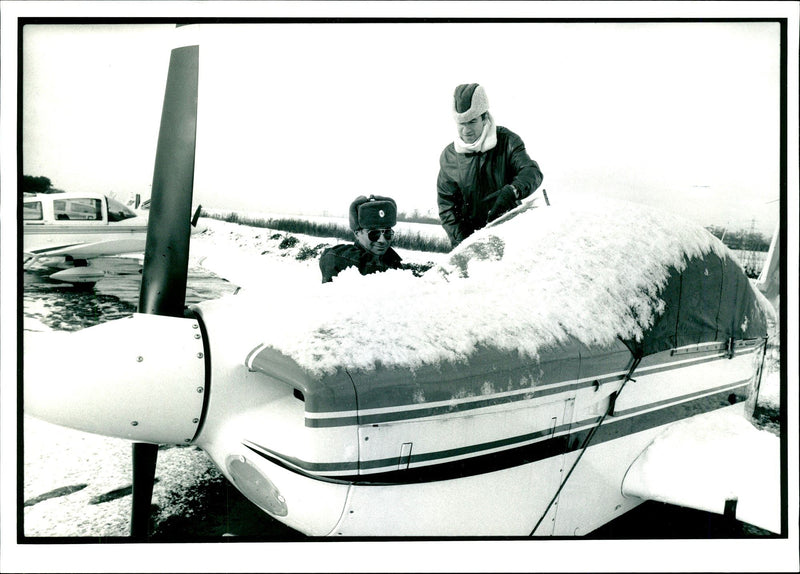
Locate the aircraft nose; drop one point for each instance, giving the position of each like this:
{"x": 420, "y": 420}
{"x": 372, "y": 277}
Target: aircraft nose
{"x": 141, "y": 378}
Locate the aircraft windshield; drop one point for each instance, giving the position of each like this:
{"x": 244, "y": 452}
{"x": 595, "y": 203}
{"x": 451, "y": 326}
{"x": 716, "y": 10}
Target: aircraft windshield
{"x": 32, "y": 210}
{"x": 118, "y": 211}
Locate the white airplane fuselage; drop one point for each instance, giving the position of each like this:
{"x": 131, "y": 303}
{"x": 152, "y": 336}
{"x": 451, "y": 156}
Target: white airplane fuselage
{"x": 487, "y": 463}
{"x": 81, "y": 225}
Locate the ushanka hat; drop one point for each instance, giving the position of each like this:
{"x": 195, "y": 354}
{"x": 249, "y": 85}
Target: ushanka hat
{"x": 373, "y": 212}
{"x": 469, "y": 101}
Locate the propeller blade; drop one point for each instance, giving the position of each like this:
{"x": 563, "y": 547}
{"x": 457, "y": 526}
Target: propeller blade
{"x": 144, "y": 472}
{"x": 166, "y": 259}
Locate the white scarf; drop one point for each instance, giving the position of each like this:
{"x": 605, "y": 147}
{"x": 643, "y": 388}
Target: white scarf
{"x": 484, "y": 143}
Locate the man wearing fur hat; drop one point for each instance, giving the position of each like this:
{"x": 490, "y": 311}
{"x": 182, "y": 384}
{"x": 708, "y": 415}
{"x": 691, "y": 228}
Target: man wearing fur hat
{"x": 484, "y": 172}
{"x": 371, "y": 219}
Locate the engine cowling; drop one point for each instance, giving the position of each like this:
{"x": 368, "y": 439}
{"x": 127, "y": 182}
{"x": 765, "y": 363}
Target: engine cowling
{"x": 141, "y": 378}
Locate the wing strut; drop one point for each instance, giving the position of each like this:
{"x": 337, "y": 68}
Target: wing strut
{"x": 609, "y": 411}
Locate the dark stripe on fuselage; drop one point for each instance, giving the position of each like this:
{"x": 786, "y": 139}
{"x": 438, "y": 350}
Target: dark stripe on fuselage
{"x": 617, "y": 426}
{"x": 408, "y": 414}
{"x": 266, "y": 454}
{"x": 613, "y": 428}
{"x": 468, "y": 450}
{"x": 657, "y": 404}
{"x": 394, "y": 416}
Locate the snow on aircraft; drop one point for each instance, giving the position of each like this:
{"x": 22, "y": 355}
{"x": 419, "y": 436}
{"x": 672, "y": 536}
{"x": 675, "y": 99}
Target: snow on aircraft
{"x": 516, "y": 389}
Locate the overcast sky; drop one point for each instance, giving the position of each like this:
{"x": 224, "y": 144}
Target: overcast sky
{"x": 301, "y": 118}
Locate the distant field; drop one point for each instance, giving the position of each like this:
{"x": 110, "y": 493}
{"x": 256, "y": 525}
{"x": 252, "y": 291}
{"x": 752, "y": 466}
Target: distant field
{"x": 751, "y": 261}
{"x": 434, "y": 231}
{"x": 415, "y": 236}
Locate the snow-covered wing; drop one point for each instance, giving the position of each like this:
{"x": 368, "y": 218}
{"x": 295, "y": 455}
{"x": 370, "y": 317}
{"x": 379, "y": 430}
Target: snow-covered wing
{"x": 700, "y": 465}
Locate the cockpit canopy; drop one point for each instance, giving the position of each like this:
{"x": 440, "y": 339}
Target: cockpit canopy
{"x": 118, "y": 211}
{"x": 74, "y": 207}
{"x": 585, "y": 271}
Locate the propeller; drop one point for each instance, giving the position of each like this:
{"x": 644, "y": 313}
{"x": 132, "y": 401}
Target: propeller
{"x": 166, "y": 259}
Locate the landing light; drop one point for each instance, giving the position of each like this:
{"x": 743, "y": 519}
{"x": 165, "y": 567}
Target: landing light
{"x": 255, "y": 486}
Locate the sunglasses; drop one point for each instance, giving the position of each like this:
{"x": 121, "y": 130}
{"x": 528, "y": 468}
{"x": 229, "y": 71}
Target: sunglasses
{"x": 375, "y": 234}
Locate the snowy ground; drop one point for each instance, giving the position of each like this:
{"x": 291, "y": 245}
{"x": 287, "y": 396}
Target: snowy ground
{"x": 88, "y": 494}
{"x": 252, "y": 257}
{"x": 433, "y": 231}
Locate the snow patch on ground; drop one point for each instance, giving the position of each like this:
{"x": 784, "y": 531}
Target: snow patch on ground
{"x": 103, "y": 465}
{"x": 257, "y": 258}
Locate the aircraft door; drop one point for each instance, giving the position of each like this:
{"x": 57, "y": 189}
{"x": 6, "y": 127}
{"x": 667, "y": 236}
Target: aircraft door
{"x": 545, "y": 520}
{"x": 509, "y": 488}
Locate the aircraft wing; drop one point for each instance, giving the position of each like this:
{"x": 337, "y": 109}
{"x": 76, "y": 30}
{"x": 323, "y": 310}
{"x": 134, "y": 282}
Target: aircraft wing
{"x": 95, "y": 249}
{"x": 704, "y": 465}
{"x": 120, "y": 245}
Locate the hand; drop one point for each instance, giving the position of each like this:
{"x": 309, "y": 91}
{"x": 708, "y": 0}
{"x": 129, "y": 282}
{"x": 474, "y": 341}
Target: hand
{"x": 506, "y": 200}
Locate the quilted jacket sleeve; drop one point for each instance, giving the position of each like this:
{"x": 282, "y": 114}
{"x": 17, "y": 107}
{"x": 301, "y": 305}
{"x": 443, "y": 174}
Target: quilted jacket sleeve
{"x": 449, "y": 200}
{"x": 527, "y": 175}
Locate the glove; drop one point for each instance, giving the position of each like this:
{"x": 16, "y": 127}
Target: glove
{"x": 506, "y": 200}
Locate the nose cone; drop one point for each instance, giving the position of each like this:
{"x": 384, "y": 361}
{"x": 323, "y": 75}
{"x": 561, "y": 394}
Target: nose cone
{"x": 140, "y": 378}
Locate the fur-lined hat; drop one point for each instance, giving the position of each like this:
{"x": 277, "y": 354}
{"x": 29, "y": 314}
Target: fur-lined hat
{"x": 469, "y": 101}
{"x": 373, "y": 212}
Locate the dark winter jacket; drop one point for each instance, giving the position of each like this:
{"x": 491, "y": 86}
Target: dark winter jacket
{"x": 340, "y": 257}
{"x": 466, "y": 178}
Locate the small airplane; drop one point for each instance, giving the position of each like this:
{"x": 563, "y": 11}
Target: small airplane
{"x": 430, "y": 420}
{"x": 67, "y": 230}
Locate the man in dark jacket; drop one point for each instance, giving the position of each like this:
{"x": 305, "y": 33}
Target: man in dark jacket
{"x": 371, "y": 220}
{"x": 484, "y": 172}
